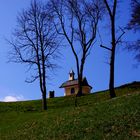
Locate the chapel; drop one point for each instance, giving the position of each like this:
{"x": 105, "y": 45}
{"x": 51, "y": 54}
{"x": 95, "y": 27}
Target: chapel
{"x": 71, "y": 86}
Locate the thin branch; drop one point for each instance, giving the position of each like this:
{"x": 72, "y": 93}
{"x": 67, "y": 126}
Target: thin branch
{"x": 119, "y": 38}
{"x": 105, "y": 47}
{"x": 33, "y": 79}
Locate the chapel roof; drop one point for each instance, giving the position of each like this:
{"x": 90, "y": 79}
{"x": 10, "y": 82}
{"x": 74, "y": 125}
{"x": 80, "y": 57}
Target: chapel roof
{"x": 75, "y": 82}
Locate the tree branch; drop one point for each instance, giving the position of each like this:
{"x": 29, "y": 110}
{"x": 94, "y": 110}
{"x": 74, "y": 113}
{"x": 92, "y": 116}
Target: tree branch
{"x": 119, "y": 38}
{"x": 105, "y": 47}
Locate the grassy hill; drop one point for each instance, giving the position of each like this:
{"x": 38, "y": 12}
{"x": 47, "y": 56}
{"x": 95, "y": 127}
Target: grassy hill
{"x": 97, "y": 117}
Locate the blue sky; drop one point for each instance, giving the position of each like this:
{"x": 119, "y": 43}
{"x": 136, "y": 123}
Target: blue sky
{"x": 12, "y": 76}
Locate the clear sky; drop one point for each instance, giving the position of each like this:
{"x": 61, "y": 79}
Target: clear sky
{"x": 12, "y": 76}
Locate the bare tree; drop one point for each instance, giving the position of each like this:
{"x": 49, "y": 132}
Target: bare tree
{"x": 35, "y": 44}
{"x": 114, "y": 41}
{"x": 78, "y": 20}
{"x": 134, "y": 24}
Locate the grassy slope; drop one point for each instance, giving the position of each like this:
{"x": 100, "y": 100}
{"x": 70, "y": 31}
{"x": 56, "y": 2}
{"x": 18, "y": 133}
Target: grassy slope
{"x": 97, "y": 117}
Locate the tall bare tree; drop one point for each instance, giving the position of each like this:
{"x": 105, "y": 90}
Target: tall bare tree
{"x": 134, "y": 24}
{"x": 35, "y": 43}
{"x": 77, "y": 21}
{"x": 112, "y": 10}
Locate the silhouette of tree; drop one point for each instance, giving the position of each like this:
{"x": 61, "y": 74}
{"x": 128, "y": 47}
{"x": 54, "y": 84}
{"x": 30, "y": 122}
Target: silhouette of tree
{"x": 134, "y": 24}
{"x": 35, "y": 43}
{"x": 112, "y": 9}
{"x": 78, "y": 20}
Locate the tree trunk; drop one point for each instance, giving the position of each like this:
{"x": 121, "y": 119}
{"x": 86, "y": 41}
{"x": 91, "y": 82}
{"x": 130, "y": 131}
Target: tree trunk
{"x": 79, "y": 87}
{"x": 111, "y": 83}
{"x": 81, "y": 73}
{"x": 112, "y": 59}
{"x": 44, "y": 89}
{"x": 79, "y": 91}
{"x": 44, "y": 102}
{"x": 80, "y": 78}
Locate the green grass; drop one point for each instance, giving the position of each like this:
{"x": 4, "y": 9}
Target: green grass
{"x": 97, "y": 117}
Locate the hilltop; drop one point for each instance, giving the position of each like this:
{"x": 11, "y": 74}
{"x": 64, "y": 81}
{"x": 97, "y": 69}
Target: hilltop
{"x": 97, "y": 117}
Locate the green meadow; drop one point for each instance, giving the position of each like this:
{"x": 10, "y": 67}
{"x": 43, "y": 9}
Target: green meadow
{"x": 96, "y": 118}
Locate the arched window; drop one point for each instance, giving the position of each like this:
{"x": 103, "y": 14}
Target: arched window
{"x": 72, "y": 90}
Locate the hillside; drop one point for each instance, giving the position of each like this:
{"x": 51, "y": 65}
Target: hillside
{"x": 97, "y": 117}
